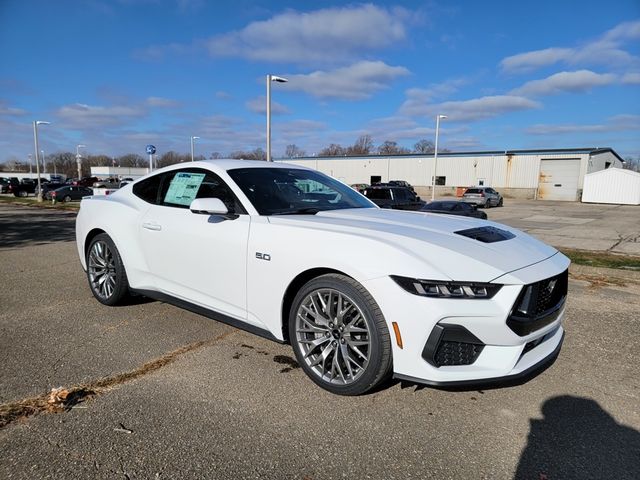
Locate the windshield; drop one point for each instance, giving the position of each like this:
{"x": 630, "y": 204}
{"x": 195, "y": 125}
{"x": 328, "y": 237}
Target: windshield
{"x": 282, "y": 191}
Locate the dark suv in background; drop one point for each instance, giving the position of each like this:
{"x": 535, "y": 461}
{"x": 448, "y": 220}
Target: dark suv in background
{"x": 389, "y": 196}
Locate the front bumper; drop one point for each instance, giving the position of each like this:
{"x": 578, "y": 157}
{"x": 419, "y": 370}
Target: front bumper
{"x": 504, "y": 354}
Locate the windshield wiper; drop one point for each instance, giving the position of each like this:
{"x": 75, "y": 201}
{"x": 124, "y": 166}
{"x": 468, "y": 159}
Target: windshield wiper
{"x": 299, "y": 211}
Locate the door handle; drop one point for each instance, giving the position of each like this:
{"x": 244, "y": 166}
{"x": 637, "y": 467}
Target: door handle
{"x": 152, "y": 226}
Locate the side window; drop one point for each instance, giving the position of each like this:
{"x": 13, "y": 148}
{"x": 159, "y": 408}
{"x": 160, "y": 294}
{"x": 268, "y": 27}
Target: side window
{"x": 147, "y": 189}
{"x": 180, "y": 187}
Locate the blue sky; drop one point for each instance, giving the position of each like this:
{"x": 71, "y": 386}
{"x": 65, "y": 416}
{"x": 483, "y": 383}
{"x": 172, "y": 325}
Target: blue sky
{"x": 117, "y": 75}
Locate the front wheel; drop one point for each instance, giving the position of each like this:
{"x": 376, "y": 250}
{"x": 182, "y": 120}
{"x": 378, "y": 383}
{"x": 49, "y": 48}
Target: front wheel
{"x": 105, "y": 271}
{"x": 339, "y": 335}
{"x": 500, "y": 202}
{"x": 66, "y": 199}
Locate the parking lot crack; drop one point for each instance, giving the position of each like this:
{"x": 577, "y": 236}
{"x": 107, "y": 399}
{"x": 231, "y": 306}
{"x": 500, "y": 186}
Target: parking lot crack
{"x": 64, "y": 398}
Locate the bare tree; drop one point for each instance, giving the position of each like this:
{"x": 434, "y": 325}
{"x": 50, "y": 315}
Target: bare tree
{"x": 215, "y": 155}
{"x": 333, "y": 150}
{"x": 133, "y": 160}
{"x": 292, "y": 151}
{"x": 424, "y": 146}
{"x": 257, "y": 154}
{"x": 391, "y": 148}
{"x": 363, "y": 146}
{"x": 632, "y": 164}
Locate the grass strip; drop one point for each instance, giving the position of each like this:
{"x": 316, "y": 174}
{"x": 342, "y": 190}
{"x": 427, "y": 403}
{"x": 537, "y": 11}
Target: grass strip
{"x": 32, "y": 202}
{"x": 602, "y": 259}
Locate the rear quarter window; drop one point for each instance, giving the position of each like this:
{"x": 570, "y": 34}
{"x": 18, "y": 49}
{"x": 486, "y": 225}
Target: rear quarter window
{"x": 147, "y": 189}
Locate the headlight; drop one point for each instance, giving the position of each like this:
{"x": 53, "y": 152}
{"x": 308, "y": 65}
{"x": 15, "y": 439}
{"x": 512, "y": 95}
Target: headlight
{"x": 442, "y": 289}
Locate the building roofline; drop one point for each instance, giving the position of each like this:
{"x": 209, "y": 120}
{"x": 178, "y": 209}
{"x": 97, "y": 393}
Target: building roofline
{"x": 589, "y": 150}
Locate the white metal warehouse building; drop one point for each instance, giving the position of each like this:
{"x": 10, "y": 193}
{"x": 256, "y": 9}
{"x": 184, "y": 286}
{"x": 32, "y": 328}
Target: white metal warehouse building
{"x": 541, "y": 174}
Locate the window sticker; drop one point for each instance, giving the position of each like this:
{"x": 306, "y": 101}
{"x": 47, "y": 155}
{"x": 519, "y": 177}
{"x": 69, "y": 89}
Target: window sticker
{"x": 184, "y": 188}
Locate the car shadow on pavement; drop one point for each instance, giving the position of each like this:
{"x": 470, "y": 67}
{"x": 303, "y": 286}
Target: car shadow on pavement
{"x": 576, "y": 438}
{"x": 36, "y": 228}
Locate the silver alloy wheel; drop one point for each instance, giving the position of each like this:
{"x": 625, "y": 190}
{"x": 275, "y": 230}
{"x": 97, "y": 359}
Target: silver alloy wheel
{"x": 333, "y": 336}
{"x": 102, "y": 270}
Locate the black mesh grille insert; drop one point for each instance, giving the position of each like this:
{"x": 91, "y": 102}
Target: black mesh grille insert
{"x": 457, "y": 353}
{"x": 451, "y": 345}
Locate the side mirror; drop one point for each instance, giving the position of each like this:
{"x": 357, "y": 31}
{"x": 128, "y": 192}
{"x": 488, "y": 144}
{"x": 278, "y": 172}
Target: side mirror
{"x": 208, "y": 206}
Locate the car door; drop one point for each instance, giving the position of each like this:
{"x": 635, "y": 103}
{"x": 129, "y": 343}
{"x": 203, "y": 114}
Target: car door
{"x": 196, "y": 257}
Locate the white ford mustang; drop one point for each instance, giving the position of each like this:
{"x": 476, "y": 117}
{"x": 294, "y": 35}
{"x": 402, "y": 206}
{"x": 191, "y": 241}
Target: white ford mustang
{"x": 360, "y": 293}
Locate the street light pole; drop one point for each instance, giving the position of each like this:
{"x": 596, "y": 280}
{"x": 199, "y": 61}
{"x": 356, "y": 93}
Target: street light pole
{"x": 35, "y": 142}
{"x": 44, "y": 162}
{"x": 271, "y": 78}
{"x": 435, "y": 156}
{"x": 78, "y": 163}
{"x": 30, "y": 163}
{"x": 192, "y": 139}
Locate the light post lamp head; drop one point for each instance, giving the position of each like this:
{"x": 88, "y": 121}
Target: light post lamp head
{"x": 275, "y": 78}
{"x": 41, "y": 122}
{"x": 442, "y": 117}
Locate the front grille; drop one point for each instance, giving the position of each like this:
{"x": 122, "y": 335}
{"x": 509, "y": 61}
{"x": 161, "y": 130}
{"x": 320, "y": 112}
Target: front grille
{"x": 457, "y": 353}
{"x": 451, "y": 345}
{"x": 539, "y": 304}
{"x": 550, "y": 292}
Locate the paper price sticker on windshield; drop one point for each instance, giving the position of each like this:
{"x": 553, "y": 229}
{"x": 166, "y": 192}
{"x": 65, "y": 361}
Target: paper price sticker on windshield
{"x": 184, "y": 188}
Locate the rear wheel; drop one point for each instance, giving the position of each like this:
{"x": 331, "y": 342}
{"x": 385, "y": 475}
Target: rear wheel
{"x": 500, "y": 202}
{"x": 105, "y": 271}
{"x": 339, "y": 335}
{"x": 66, "y": 198}
{"x": 23, "y": 193}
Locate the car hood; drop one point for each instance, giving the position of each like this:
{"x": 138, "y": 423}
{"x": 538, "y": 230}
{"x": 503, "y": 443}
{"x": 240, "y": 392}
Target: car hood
{"x": 432, "y": 238}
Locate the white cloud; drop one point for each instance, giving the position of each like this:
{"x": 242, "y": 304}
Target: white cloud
{"x": 580, "y": 81}
{"x": 617, "y": 123}
{"x": 327, "y": 36}
{"x": 8, "y": 111}
{"x": 417, "y": 98}
{"x": 474, "y": 109}
{"x": 604, "y": 50}
{"x": 632, "y": 78}
{"x": 259, "y": 105}
{"x": 161, "y": 102}
{"x": 355, "y": 82}
{"x": 81, "y": 115}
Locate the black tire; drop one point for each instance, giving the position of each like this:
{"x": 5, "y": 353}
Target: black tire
{"x": 377, "y": 364}
{"x": 500, "y": 202}
{"x": 23, "y": 193}
{"x": 116, "y": 275}
{"x": 66, "y": 199}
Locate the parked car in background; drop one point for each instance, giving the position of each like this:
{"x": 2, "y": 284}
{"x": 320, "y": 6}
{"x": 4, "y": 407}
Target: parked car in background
{"x": 4, "y": 185}
{"x": 69, "y": 193}
{"x": 50, "y": 186}
{"x": 454, "y": 207}
{"x": 86, "y": 181}
{"x": 360, "y": 187}
{"x": 398, "y": 198}
{"x": 482, "y": 197}
{"x": 401, "y": 183}
{"x": 23, "y": 187}
{"x": 107, "y": 183}
{"x": 124, "y": 181}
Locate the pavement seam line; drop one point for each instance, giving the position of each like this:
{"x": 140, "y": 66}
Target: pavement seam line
{"x": 63, "y": 399}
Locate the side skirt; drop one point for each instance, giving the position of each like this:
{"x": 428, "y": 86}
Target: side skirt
{"x": 205, "y": 312}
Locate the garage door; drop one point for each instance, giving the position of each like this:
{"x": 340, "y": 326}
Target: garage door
{"x": 559, "y": 179}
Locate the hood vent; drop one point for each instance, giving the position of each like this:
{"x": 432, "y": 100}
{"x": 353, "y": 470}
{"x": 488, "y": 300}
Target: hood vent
{"x": 486, "y": 234}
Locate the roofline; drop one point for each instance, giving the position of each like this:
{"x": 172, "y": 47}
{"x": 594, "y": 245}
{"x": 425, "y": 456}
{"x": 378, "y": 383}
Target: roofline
{"x": 589, "y": 150}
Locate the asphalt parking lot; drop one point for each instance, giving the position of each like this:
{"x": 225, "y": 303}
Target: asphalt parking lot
{"x": 236, "y": 405}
